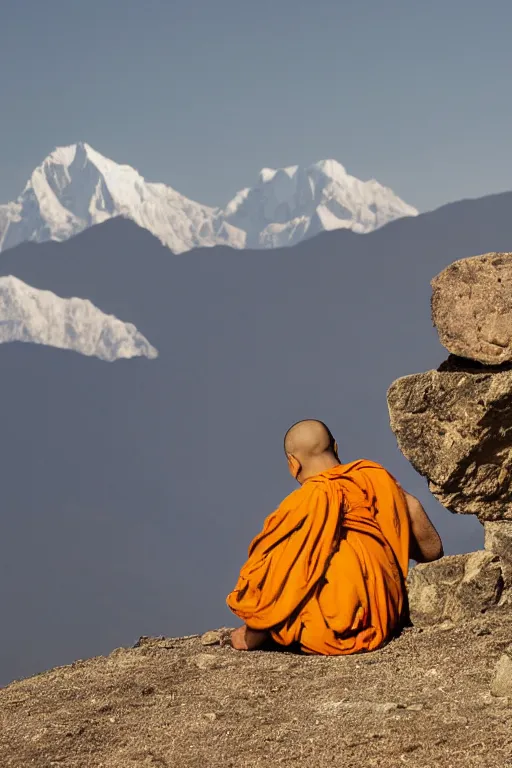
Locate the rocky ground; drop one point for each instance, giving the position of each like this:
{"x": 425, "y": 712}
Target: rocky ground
{"x": 422, "y": 701}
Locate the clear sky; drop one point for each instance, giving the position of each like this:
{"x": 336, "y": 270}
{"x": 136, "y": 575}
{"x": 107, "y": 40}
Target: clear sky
{"x": 201, "y": 94}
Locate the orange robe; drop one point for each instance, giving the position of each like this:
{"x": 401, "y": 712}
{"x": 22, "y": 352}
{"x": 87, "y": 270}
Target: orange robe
{"x": 328, "y": 570}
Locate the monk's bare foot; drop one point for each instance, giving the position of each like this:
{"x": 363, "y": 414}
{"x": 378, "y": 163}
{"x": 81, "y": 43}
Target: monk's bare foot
{"x": 245, "y": 639}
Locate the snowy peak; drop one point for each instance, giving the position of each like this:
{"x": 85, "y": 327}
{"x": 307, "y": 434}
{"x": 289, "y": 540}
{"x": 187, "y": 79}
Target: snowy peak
{"x": 269, "y": 174}
{"x": 289, "y": 204}
{"x": 42, "y": 317}
{"x": 69, "y": 191}
{"x": 76, "y": 187}
{"x": 67, "y": 162}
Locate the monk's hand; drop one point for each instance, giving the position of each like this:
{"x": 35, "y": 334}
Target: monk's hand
{"x": 245, "y": 639}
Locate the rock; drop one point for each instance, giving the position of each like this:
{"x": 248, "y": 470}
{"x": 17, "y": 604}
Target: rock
{"x": 498, "y": 539}
{"x": 206, "y": 661}
{"x": 147, "y": 640}
{"x": 481, "y": 631}
{"x": 147, "y": 644}
{"x": 446, "y": 626}
{"x": 496, "y": 702}
{"x": 217, "y": 636}
{"x": 455, "y": 720}
{"x": 456, "y": 430}
{"x": 479, "y": 590}
{"x": 428, "y": 586}
{"x": 212, "y": 637}
{"x": 454, "y": 588}
{"x": 502, "y": 682}
{"x": 472, "y": 307}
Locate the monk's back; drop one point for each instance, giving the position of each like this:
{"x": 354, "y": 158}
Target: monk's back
{"x": 328, "y": 571}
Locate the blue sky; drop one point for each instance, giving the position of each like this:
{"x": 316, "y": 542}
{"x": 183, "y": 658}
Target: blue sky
{"x": 201, "y": 94}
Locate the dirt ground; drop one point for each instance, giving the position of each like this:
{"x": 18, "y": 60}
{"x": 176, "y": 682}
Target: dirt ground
{"x": 422, "y": 701}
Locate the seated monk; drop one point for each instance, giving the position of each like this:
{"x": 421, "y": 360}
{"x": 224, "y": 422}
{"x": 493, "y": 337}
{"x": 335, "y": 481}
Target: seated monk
{"x": 327, "y": 573}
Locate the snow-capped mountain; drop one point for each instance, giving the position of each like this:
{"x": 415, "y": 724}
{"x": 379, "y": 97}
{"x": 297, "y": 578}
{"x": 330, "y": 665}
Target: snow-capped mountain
{"x": 42, "y": 317}
{"x": 75, "y": 187}
{"x": 289, "y": 204}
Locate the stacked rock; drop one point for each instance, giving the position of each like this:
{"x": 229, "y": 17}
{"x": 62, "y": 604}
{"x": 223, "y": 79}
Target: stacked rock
{"x": 455, "y": 427}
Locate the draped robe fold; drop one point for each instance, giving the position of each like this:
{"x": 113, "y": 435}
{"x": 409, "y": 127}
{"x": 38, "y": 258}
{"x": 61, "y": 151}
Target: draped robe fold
{"x": 328, "y": 570}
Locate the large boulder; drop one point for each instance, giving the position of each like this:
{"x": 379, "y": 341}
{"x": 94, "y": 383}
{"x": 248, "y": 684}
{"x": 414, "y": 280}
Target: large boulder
{"x": 456, "y": 430}
{"x": 472, "y": 307}
{"x": 455, "y": 588}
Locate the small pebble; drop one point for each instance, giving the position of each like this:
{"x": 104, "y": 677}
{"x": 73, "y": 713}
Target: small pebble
{"x": 206, "y": 661}
{"x": 432, "y": 672}
{"x": 213, "y": 637}
{"x": 501, "y": 685}
{"x": 456, "y": 720}
{"x": 481, "y": 631}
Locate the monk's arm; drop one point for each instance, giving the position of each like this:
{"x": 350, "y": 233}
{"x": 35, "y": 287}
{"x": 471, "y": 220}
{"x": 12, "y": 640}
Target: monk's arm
{"x": 426, "y": 544}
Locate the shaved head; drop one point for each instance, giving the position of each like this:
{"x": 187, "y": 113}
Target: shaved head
{"x": 308, "y": 439}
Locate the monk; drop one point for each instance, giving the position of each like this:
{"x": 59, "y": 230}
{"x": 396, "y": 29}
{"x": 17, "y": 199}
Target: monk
{"x": 327, "y": 573}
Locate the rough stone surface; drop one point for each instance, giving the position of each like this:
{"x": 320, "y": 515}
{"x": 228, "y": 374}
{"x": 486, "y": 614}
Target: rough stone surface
{"x": 216, "y": 636}
{"x": 455, "y": 588}
{"x": 206, "y": 661}
{"x": 211, "y": 637}
{"x": 423, "y": 700}
{"x": 502, "y": 682}
{"x": 455, "y": 427}
{"x": 498, "y": 539}
{"x": 472, "y": 307}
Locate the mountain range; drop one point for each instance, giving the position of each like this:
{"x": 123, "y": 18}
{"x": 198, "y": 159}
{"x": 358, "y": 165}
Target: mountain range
{"x": 130, "y": 490}
{"x": 41, "y": 317}
{"x": 76, "y": 187}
